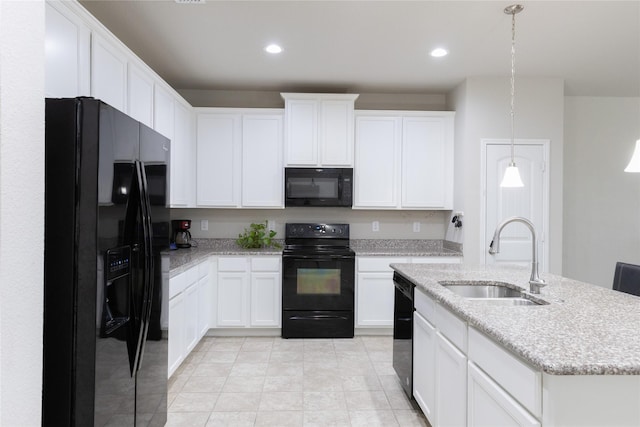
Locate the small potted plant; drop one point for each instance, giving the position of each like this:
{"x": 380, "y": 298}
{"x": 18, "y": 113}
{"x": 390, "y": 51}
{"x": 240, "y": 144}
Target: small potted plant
{"x": 257, "y": 236}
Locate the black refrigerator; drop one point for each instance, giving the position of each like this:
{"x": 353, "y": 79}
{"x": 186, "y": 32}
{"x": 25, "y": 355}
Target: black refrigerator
{"x": 107, "y": 233}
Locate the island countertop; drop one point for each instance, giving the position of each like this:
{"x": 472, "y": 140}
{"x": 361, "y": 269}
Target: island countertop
{"x": 584, "y": 330}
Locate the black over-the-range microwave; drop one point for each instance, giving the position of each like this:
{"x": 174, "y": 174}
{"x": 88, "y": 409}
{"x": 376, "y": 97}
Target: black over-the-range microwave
{"x": 329, "y": 187}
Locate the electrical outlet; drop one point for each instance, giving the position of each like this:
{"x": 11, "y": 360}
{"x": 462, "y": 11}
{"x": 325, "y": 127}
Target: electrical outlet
{"x": 375, "y": 226}
{"x": 416, "y": 227}
{"x": 271, "y": 224}
{"x": 204, "y": 224}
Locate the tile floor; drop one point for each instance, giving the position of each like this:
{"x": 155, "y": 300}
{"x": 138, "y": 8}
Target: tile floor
{"x": 270, "y": 381}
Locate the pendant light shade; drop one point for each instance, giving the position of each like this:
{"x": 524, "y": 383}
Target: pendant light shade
{"x": 634, "y": 163}
{"x": 511, "y": 175}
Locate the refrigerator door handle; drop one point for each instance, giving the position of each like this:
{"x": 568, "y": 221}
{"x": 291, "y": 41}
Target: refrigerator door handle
{"x": 148, "y": 260}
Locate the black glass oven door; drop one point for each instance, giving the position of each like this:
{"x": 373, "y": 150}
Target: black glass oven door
{"x": 318, "y": 283}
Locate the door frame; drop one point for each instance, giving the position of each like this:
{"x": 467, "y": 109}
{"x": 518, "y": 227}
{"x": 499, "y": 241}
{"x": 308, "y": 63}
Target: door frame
{"x": 543, "y": 237}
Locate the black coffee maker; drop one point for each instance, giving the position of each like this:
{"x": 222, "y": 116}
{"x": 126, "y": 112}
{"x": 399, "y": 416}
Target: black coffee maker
{"x": 181, "y": 234}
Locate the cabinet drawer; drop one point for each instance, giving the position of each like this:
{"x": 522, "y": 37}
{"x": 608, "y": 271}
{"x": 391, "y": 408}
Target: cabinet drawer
{"x": 203, "y": 269}
{"x": 379, "y": 264}
{"x": 516, "y": 377}
{"x": 265, "y": 264}
{"x": 192, "y": 275}
{"x": 425, "y": 305}
{"x": 177, "y": 284}
{"x": 452, "y": 327}
{"x": 233, "y": 264}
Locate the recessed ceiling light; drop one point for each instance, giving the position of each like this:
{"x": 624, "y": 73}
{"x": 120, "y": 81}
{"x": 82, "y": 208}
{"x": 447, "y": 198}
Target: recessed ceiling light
{"x": 439, "y": 52}
{"x": 273, "y": 48}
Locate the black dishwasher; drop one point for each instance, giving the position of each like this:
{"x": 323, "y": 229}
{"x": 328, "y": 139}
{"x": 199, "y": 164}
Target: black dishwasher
{"x": 403, "y": 332}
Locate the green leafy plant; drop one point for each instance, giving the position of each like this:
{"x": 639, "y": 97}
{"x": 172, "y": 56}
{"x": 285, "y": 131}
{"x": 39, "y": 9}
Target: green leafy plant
{"x": 258, "y": 236}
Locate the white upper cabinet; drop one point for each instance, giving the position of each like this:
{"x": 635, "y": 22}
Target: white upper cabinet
{"x": 404, "y": 160}
{"x": 218, "y": 142}
{"x": 183, "y": 157}
{"x": 67, "y": 53}
{"x": 139, "y": 94}
{"x": 108, "y": 73}
{"x": 262, "y": 172}
{"x": 239, "y": 158}
{"x": 319, "y": 129}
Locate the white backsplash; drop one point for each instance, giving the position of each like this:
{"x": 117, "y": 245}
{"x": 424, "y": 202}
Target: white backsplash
{"x": 228, "y": 223}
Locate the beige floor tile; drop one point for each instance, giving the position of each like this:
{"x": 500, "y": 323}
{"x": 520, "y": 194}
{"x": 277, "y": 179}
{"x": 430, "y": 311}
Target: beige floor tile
{"x": 176, "y": 382}
{"x": 324, "y": 401}
{"x": 381, "y": 356}
{"x": 373, "y": 419}
{"x": 390, "y": 382}
{"x": 330, "y": 382}
{"x": 281, "y": 401}
{"x": 348, "y": 345}
{"x": 319, "y": 345}
{"x": 248, "y": 370}
{"x": 243, "y": 385}
{"x": 398, "y": 400}
{"x": 187, "y": 419}
{"x": 232, "y": 419}
{"x": 226, "y": 346}
{"x": 326, "y": 419}
{"x": 279, "y": 419}
{"x": 361, "y": 383}
{"x": 321, "y": 368}
{"x": 290, "y": 383}
{"x": 355, "y": 367}
{"x": 367, "y": 400}
{"x": 291, "y": 345}
{"x": 253, "y": 357}
{"x": 236, "y": 402}
{"x": 194, "y": 402}
{"x": 285, "y": 369}
{"x": 219, "y": 356}
{"x": 286, "y": 356}
{"x": 203, "y": 385}
{"x": 411, "y": 418}
{"x": 212, "y": 370}
{"x": 384, "y": 368}
{"x": 256, "y": 345}
{"x": 204, "y": 344}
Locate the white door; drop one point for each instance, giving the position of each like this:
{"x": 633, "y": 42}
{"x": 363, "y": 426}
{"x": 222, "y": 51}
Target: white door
{"x": 530, "y": 201}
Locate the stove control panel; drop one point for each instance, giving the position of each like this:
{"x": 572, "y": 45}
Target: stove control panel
{"x": 316, "y": 231}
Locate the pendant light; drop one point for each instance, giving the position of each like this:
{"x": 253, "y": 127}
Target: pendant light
{"x": 511, "y": 175}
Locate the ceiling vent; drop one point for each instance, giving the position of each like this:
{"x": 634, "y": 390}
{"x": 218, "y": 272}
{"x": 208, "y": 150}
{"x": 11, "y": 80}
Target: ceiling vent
{"x": 190, "y": 1}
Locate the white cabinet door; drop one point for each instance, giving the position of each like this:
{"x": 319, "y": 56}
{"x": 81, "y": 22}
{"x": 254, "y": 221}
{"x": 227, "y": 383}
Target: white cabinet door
{"x": 262, "y": 172}
{"x": 489, "y": 405}
{"x": 336, "y": 133}
{"x": 377, "y": 157}
{"x": 191, "y": 316}
{"x": 375, "y": 299}
{"x": 218, "y": 143}
{"x": 424, "y": 366}
{"x": 233, "y": 294}
{"x": 265, "y": 299}
{"x": 176, "y": 332}
{"x": 425, "y": 163}
{"x": 301, "y": 118}
{"x": 205, "y": 301}
{"x": 108, "y": 73}
{"x": 67, "y": 53}
{"x": 139, "y": 94}
{"x": 451, "y": 384}
{"x": 183, "y": 158}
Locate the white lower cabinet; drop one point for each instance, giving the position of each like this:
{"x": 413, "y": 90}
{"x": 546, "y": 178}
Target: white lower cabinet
{"x": 375, "y": 290}
{"x": 249, "y": 292}
{"x": 489, "y": 405}
{"x": 424, "y": 365}
{"x": 190, "y": 304}
{"x": 451, "y": 384}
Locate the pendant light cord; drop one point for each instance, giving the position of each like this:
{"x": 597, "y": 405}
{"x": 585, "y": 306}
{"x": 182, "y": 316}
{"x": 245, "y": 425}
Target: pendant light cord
{"x": 513, "y": 83}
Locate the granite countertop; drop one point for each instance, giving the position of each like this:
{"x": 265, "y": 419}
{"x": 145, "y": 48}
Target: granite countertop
{"x": 404, "y": 247}
{"x": 584, "y": 330}
{"x": 182, "y": 259}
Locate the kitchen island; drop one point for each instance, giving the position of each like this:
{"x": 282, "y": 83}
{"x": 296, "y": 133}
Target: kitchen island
{"x": 572, "y": 361}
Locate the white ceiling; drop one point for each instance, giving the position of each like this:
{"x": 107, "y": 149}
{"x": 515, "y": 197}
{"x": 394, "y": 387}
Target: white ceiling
{"x": 379, "y": 46}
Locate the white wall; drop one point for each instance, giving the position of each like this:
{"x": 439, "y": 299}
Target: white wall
{"x": 228, "y": 223}
{"x": 21, "y": 210}
{"x": 601, "y": 201}
{"x": 482, "y": 106}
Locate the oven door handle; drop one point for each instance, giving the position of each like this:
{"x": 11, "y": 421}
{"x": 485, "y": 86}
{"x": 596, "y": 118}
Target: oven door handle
{"x": 318, "y": 316}
{"x": 327, "y": 257}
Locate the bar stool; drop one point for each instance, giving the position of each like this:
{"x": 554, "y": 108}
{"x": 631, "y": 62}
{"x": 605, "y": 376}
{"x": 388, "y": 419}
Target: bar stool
{"x": 627, "y": 278}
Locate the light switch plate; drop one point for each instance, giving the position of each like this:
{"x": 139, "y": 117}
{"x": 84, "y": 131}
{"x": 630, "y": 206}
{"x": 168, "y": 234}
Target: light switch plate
{"x": 416, "y": 227}
{"x": 375, "y": 226}
{"x": 204, "y": 224}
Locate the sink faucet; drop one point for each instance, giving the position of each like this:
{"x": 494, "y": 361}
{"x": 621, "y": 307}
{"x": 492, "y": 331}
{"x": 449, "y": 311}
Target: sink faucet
{"x": 535, "y": 282}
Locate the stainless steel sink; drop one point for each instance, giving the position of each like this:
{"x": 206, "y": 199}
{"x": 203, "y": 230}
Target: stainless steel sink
{"x": 494, "y": 293}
